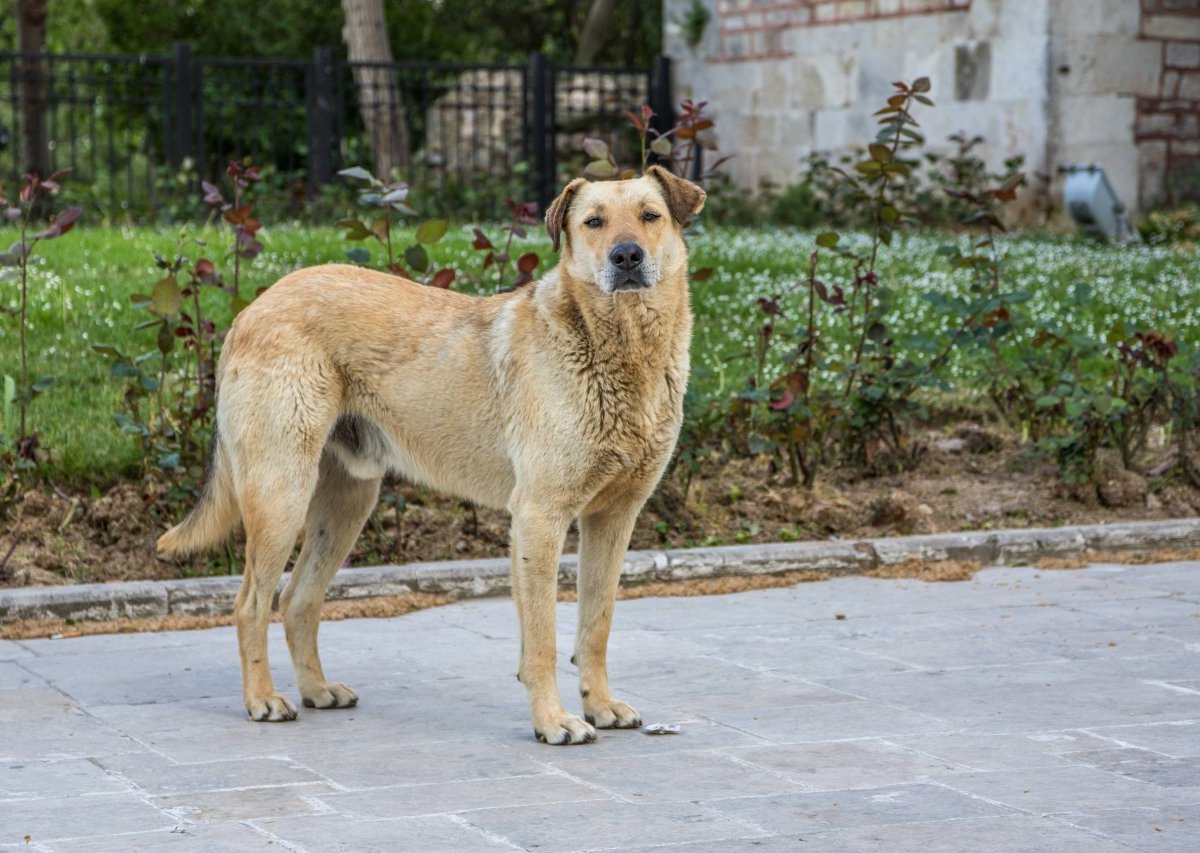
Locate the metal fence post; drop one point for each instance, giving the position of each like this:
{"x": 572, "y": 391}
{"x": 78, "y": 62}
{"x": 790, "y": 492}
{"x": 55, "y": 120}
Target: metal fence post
{"x": 661, "y": 98}
{"x": 320, "y": 120}
{"x": 183, "y": 144}
{"x": 539, "y": 85}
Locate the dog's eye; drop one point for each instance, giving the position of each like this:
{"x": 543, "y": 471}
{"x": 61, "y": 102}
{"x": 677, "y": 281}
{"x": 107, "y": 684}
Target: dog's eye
{"x": 650, "y": 217}
{"x": 594, "y": 222}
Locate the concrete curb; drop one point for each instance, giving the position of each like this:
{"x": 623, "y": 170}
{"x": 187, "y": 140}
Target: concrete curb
{"x": 478, "y": 578}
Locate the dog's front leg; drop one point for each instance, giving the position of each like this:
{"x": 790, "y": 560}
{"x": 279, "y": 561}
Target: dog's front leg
{"x": 604, "y": 537}
{"x": 537, "y": 539}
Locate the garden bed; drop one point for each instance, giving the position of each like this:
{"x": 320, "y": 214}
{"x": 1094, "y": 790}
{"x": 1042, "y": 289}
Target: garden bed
{"x": 967, "y": 479}
{"x": 97, "y": 500}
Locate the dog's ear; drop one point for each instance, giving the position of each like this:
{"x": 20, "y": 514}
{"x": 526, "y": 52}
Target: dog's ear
{"x": 556, "y": 213}
{"x": 684, "y": 199}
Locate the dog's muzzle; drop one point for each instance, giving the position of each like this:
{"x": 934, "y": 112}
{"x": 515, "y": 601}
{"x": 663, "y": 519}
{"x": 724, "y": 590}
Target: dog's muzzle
{"x": 626, "y": 271}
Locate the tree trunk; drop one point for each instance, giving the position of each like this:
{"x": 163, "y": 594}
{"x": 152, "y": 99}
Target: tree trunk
{"x": 31, "y": 85}
{"x": 595, "y": 28}
{"x": 379, "y": 97}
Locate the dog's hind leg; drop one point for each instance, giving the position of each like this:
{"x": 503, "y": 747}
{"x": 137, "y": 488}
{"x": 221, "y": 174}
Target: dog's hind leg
{"x": 276, "y": 426}
{"x": 339, "y": 508}
{"x": 273, "y": 517}
{"x": 604, "y": 536}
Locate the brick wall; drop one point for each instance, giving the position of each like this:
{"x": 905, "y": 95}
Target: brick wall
{"x": 753, "y": 29}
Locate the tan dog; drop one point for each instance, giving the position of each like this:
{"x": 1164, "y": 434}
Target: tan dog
{"x": 561, "y": 400}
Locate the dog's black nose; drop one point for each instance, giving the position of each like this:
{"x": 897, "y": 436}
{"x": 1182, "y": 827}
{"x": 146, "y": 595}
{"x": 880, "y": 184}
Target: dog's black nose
{"x": 626, "y": 256}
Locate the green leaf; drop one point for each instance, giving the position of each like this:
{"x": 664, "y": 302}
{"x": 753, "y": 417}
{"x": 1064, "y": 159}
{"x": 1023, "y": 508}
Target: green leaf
{"x": 237, "y": 305}
{"x": 921, "y": 84}
{"x": 166, "y": 297}
{"x": 358, "y": 255}
{"x": 125, "y": 369}
{"x": 355, "y": 229}
{"x": 358, "y": 173}
{"x": 42, "y": 383}
{"x": 597, "y": 149}
{"x": 661, "y": 146}
{"x": 828, "y": 239}
{"x": 417, "y": 258}
{"x": 107, "y": 349}
{"x": 9, "y": 405}
{"x": 381, "y": 228}
{"x": 880, "y": 153}
{"x": 431, "y": 231}
{"x": 600, "y": 169}
{"x": 127, "y": 424}
{"x": 166, "y": 338}
{"x": 868, "y": 167}
{"x": 1046, "y": 401}
{"x": 889, "y": 214}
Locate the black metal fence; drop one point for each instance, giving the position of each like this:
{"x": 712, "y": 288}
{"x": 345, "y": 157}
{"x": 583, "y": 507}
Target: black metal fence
{"x": 135, "y": 129}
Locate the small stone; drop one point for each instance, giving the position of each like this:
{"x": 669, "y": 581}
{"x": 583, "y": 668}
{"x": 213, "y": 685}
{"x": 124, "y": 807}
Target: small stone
{"x": 799, "y": 501}
{"x": 977, "y": 440}
{"x": 1122, "y": 488}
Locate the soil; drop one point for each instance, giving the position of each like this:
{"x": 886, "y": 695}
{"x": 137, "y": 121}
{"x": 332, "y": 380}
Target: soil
{"x": 968, "y": 478}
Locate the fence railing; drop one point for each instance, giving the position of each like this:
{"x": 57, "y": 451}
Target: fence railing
{"x": 133, "y": 127}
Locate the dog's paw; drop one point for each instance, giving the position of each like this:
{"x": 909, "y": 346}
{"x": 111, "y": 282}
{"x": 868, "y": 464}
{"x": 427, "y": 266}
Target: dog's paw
{"x": 564, "y": 729}
{"x": 330, "y": 695}
{"x": 611, "y": 715}
{"x": 271, "y": 709}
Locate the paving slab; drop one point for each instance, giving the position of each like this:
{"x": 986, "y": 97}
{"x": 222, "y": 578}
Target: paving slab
{"x": 1025, "y": 709}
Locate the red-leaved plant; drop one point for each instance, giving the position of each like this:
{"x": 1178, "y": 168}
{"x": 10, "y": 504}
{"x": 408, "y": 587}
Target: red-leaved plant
{"x": 21, "y": 391}
{"x": 521, "y": 215}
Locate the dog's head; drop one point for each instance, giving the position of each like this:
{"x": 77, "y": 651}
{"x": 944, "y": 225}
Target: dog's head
{"x": 624, "y": 235}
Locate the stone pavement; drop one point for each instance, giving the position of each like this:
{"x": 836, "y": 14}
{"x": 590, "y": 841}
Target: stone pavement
{"x": 1024, "y": 710}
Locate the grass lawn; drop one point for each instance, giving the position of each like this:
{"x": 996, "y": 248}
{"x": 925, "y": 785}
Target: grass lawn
{"x": 81, "y": 284}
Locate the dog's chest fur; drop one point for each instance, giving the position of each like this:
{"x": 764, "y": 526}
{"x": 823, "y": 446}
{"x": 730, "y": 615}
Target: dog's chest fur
{"x": 623, "y": 365}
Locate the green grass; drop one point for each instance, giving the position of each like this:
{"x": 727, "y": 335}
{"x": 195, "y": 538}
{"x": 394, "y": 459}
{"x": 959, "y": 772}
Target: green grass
{"x": 80, "y": 287}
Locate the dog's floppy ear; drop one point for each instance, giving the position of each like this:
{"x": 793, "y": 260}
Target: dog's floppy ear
{"x": 684, "y": 198}
{"x": 556, "y": 213}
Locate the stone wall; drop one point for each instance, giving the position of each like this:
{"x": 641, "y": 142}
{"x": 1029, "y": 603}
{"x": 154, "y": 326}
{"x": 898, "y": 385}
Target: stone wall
{"x": 1168, "y": 111}
{"x": 1059, "y": 81}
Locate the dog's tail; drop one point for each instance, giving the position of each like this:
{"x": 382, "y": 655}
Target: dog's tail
{"x": 213, "y": 518}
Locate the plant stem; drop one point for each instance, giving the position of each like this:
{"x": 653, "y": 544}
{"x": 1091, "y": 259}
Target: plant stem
{"x": 23, "y": 394}
{"x": 793, "y": 455}
{"x": 237, "y": 253}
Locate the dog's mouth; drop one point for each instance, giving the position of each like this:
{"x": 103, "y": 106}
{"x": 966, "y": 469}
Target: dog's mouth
{"x": 630, "y": 283}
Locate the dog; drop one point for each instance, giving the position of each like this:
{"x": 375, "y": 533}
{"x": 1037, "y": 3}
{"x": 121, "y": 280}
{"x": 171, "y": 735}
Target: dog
{"x": 560, "y": 400}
